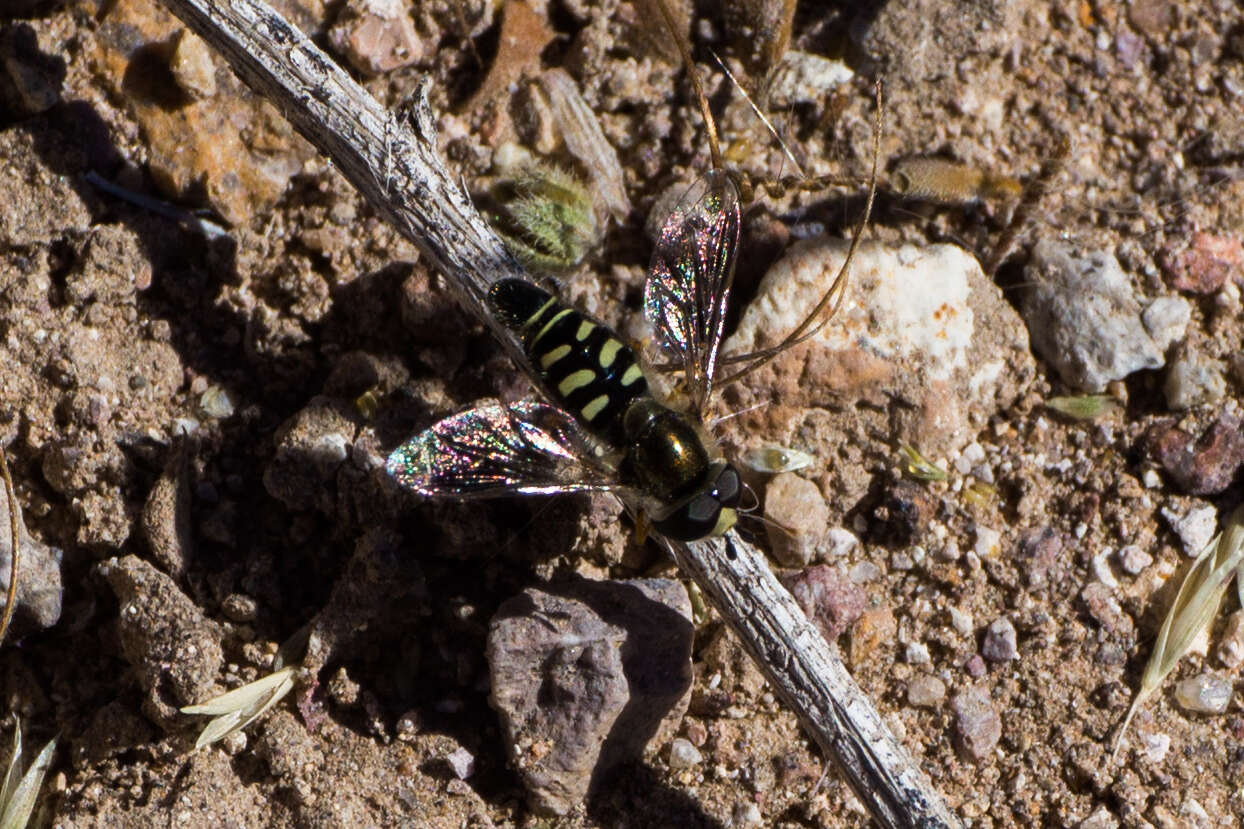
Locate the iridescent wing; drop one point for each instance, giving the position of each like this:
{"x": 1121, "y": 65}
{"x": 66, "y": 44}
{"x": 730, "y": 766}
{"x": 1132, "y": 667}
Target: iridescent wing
{"x": 528, "y": 448}
{"x": 690, "y": 276}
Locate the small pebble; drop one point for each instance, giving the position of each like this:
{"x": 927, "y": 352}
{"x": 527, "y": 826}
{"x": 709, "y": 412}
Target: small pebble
{"x": 1192, "y": 380}
{"x": 1101, "y": 604}
{"x": 962, "y": 621}
{"x": 978, "y": 727}
{"x": 999, "y": 644}
{"x": 461, "y": 762}
{"x": 192, "y": 67}
{"x": 684, "y": 755}
{"x": 1084, "y": 318}
{"x": 1133, "y": 560}
{"x": 239, "y": 608}
{"x": 1100, "y": 819}
{"x": 805, "y": 78}
{"x": 1101, "y": 569}
{"x": 746, "y": 814}
{"x": 839, "y": 542}
{"x": 1166, "y": 319}
{"x": 828, "y": 597}
{"x": 1155, "y": 746}
{"x": 865, "y": 572}
{"x": 215, "y": 403}
{"x": 1230, "y": 651}
{"x": 917, "y": 653}
{"x": 1195, "y": 528}
{"x": 925, "y": 691}
{"x": 797, "y": 508}
{"x": 1203, "y": 694}
{"x": 988, "y": 542}
{"x": 975, "y": 666}
{"x": 1204, "y": 465}
{"x": 234, "y": 743}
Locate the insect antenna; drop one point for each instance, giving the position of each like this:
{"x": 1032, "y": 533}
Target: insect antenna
{"x": 764, "y": 119}
{"x": 833, "y": 297}
{"x": 684, "y": 51}
{"x": 717, "y": 421}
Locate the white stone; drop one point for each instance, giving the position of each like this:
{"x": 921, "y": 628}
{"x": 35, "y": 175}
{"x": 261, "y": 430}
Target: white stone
{"x": 905, "y": 304}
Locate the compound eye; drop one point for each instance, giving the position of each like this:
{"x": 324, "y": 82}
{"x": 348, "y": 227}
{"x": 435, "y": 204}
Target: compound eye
{"x": 702, "y": 511}
{"x": 728, "y": 487}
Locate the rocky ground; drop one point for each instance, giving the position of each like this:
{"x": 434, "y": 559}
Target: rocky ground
{"x": 197, "y": 411}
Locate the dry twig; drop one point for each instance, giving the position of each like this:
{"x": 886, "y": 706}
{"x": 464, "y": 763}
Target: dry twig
{"x": 398, "y": 171}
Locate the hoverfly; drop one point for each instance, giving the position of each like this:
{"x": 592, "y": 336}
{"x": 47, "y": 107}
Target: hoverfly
{"x": 605, "y": 428}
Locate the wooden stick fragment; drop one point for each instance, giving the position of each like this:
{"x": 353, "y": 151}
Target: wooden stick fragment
{"x": 397, "y": 169}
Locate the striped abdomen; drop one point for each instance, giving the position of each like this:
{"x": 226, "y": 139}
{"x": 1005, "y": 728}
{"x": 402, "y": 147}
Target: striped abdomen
{"x": 589, "y": 371}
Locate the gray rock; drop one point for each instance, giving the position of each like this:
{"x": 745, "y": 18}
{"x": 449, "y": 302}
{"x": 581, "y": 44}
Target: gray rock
{"x": 1084, "y": 318}
{"x": 999, "y": 644}
{"x": 584, "y": 676}
{"x": 38, "y": 576}
{"x": 805, "y": 78}
{"x": 978, "y": 727}
{"x": 1192, "y": 380}
{"x": 1166, "y": 319}
{"x": 311, "y": 447}
{"x": 684, "y": 755}
{"x": 1204, "y": 694}
{"x": 174, "y": 650}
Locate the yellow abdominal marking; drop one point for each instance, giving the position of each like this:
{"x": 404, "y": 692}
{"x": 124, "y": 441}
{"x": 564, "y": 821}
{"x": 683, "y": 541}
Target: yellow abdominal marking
{"x": 553, "y": 356}
{"x": 595, "y": 407}
{"x": 631, "y": 375}
{"x": 531, "y": 320}
{"x": 609, "y": 352}
{"x": 585, "y": 328}
{"x": 576, "y": 380}
{"x": 563, "y": 312}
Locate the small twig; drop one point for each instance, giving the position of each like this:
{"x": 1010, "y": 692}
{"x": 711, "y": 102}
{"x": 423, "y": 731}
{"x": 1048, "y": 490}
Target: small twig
{"x": 399, "y": 172}
{"x": 15, "y": 554}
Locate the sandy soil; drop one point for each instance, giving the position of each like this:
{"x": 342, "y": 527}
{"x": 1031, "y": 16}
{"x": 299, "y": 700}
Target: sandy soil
{"x": 194, "y": 422}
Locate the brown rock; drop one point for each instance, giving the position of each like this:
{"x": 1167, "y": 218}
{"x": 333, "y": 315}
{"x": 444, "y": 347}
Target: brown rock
{"x": 583, "y": 676}
{"x": 174, "y": 651}
{"x": 1205, "y": 264}
{"x": 196, "y": 147}
{"x": 874, "y": 628}
{"x": 1204, "y": 467}
{"x": 800, "y": 518}
{"x": 978, "y": 727}
{"x": 828, "y": 597}
{"x": 376, "y": 36}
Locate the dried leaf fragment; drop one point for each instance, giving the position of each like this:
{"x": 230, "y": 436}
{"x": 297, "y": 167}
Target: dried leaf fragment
{"x": 1194, "y": 607}
{"x": 18, "y": 795}
{"x": 236, "y": 709}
